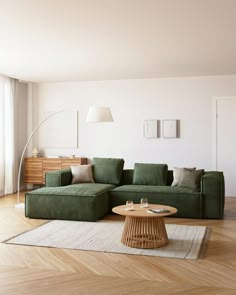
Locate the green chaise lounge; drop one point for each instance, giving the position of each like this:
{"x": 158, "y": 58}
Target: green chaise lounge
{"x": 85, "y": 201}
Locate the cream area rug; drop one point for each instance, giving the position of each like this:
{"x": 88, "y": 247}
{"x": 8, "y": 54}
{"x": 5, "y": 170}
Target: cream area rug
{"x": 185, "y": 241}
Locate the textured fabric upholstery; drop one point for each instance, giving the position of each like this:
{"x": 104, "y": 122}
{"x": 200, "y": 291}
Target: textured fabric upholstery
{"x": 150, "y": 174}
{"x": 186, "y": 200}
{"x": 87, "y": 201}
{"x": 91, "y": 201}
{"x": 108, "y": 170}
{"x": 58, "y": 178}
{"x": 213, "y": 194}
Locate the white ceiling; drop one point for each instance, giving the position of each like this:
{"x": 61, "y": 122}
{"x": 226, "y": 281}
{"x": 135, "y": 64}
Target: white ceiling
{"x": 61, "y": 40}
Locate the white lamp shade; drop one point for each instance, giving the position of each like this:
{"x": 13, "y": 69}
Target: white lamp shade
{"x": 99, "y": 114}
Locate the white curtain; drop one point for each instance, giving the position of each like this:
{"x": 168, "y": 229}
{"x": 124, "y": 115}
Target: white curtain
{"x": 8, "y": 165}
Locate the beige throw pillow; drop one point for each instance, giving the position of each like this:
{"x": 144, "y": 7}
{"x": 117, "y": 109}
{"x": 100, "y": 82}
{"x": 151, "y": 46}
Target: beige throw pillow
{"x": 191, "y": 179}
{"x": 82, "y": 174}
{"x": 178, "y": 174}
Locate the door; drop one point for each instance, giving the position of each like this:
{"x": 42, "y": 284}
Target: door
{"x": 226, "y": 142}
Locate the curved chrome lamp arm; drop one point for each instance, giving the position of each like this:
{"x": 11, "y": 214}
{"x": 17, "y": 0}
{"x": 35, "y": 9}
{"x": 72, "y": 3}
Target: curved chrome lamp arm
{"x": 23, "y": 153}
{"x": 95, "y": 114}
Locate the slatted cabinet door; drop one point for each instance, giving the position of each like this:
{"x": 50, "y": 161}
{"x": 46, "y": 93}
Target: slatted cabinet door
{"x": 33, "y": 170}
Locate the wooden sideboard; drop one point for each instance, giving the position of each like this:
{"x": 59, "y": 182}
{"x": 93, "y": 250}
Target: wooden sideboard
{"x": 35, "y": 168}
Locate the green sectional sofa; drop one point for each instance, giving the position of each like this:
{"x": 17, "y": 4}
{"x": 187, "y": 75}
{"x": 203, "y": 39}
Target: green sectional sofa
{"x": 114, "y": 185}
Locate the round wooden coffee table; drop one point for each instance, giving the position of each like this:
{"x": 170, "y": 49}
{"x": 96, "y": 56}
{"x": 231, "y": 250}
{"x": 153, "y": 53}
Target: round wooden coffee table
{"x": 143, "y": 229}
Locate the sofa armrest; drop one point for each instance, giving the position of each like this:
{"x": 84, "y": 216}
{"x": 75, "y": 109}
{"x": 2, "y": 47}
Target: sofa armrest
{"x": 213, "y": 194}
{"x": 58, "y": 178}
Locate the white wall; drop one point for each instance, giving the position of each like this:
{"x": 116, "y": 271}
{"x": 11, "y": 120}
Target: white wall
{"x": 132, "y": 101}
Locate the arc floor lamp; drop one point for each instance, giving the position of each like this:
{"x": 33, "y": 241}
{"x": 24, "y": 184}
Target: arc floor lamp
{"x": 96, "y": 114}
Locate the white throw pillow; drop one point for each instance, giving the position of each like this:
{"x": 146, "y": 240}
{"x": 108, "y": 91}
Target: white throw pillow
{"x": 82, "y": 174}
{"x": 178, "y": 175}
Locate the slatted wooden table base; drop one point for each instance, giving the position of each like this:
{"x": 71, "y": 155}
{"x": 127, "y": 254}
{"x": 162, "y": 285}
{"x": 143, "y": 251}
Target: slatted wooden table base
{"x": 144, "y": 232}
{"x": 142, "y": 228}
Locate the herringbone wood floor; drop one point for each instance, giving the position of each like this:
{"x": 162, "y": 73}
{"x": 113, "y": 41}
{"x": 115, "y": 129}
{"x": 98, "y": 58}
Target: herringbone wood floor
{"x": 34, "y": 270}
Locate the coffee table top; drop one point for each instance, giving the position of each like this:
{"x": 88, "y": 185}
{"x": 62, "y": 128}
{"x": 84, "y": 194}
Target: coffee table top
{"x": 143, "y": 212}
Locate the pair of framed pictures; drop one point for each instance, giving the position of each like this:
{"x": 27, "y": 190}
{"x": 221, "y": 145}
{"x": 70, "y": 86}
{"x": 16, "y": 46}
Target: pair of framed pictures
{"x": 169, "y": 128}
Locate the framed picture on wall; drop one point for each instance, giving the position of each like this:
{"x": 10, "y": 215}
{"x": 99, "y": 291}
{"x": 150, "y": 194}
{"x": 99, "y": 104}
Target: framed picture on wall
{"x": 169, "y": 128}
{"x": 151, "y": 128}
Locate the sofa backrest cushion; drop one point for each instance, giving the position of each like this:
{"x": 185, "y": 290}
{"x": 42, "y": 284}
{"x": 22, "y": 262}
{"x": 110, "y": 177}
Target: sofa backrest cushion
{"x": 150, "y": 174}
{"x": 108, "y": 170}
{"x": 127, "y": 176}
{"x": 170, "y": 177}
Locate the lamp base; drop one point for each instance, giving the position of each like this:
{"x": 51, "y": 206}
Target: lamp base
{"x": 20, "y": 205}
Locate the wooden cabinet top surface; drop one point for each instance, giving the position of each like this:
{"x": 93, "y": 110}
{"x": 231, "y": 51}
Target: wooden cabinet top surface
{"x": 60, "y": 158}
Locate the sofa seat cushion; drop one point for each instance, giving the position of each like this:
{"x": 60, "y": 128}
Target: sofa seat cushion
{"x": 81, "y": 189}
{"x": 186, "y": 200}
{"x": 154, "y": 189}
{"x": 85, "y": 202}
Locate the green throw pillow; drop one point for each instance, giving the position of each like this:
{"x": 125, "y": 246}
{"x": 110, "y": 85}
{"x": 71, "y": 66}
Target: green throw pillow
{"x": 150, "y": 174}
{"x": 191, "y": 179}
{"x": 108, "y": 170}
